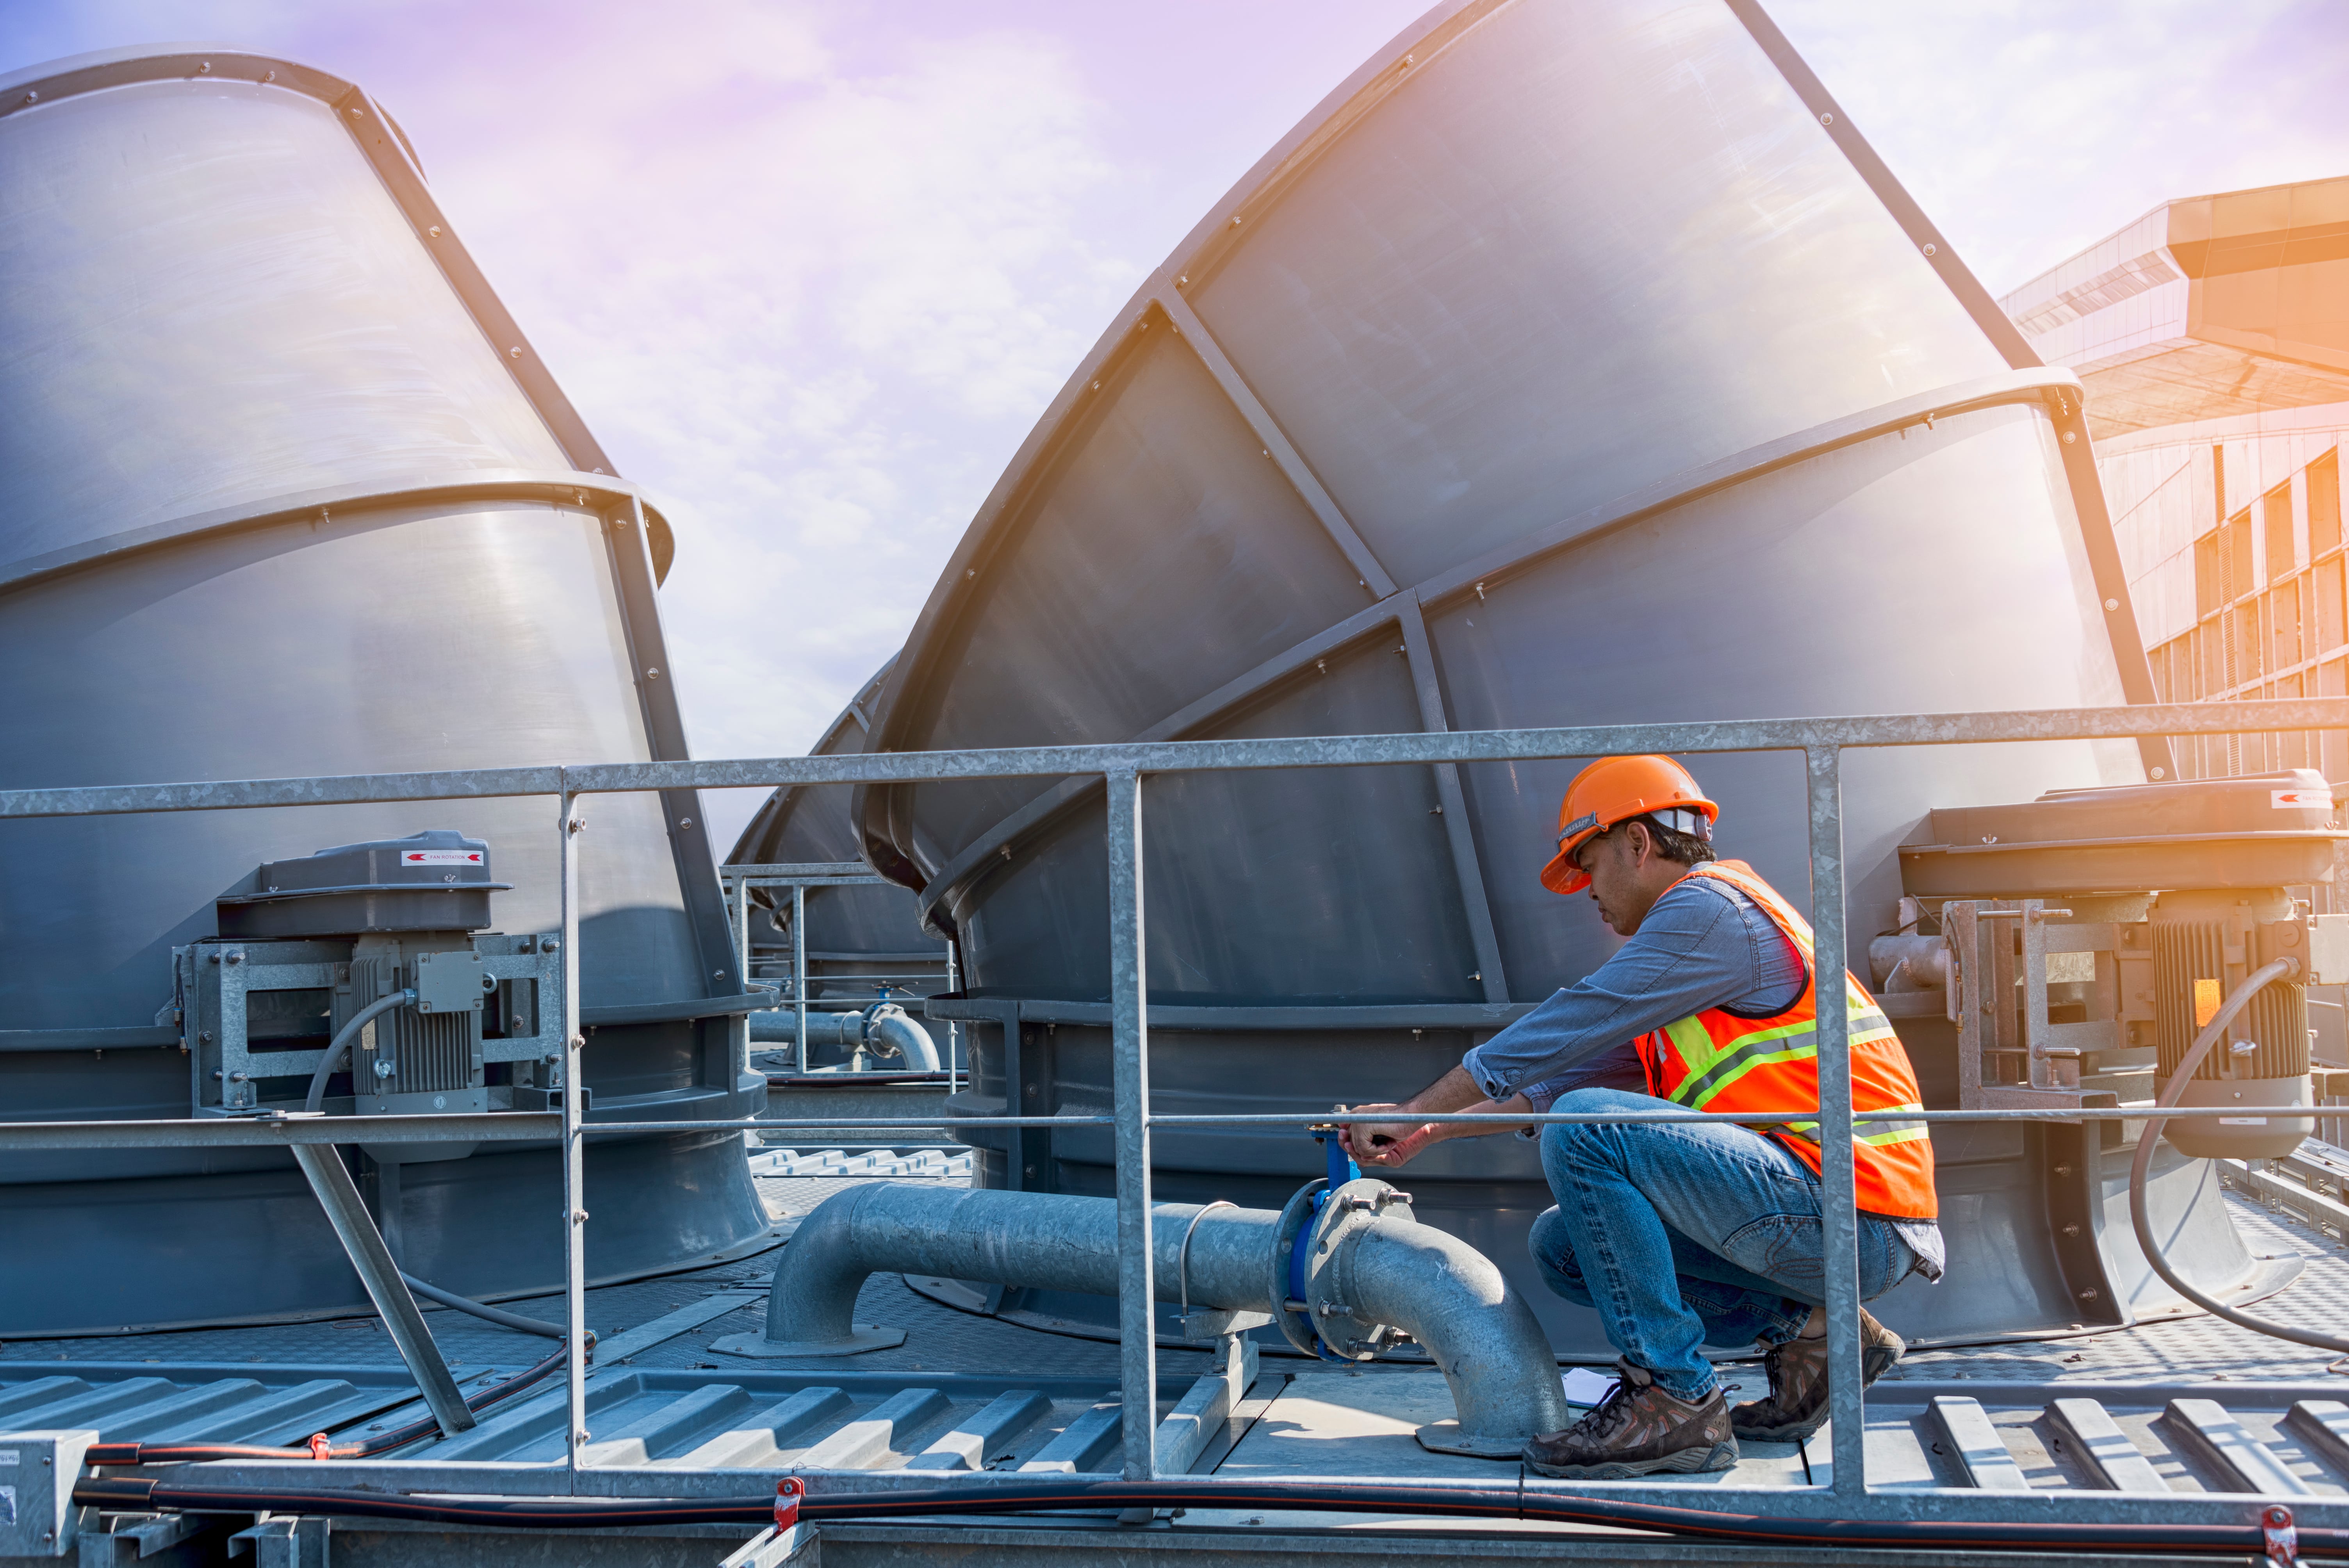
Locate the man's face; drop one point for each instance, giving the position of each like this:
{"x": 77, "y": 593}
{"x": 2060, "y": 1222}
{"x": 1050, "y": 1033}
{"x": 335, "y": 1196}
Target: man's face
{"x": 1614, "y": 861}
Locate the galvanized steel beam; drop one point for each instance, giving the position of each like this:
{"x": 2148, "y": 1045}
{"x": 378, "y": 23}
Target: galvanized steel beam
{"x": 569, "y": 825}
{"x": 1129, "y": 989}
{"x": 1199, "y": 756}
{"x": 1839, "y": 1221}
{"x": 338, "y": 1195}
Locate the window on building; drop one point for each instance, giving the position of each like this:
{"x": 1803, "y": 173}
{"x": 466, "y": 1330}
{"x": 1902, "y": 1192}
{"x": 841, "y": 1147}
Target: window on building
{"x": 2275, "y": 520}
{"x": 2333, "y": 680}
{"x": 2324, "y": 504}
{"x": 2207, "y": 592}
{"x": 2329, "y": 630}
{"x": 2235, "y": 555}
{"x": 2283, "y": 624}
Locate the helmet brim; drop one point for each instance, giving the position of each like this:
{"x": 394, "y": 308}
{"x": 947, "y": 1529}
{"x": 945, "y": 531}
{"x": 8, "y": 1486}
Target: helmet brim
{"x": 1562, "y": 875}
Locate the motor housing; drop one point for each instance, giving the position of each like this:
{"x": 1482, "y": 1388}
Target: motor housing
{"x": 308, "y": 944}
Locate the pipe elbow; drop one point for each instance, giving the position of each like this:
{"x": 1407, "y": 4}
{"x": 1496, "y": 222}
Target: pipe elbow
{"x": 812, "y": 1302}
{"x": 1482, "y": 1334}
{"x": 891, "y": 1031}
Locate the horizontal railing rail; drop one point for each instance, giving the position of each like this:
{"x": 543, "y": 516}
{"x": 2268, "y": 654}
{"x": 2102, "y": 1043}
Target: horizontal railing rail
{"x": 1193, "y": 756}
{"x": 1822, "y": 742}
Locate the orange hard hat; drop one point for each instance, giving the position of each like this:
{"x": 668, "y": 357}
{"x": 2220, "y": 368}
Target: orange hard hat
{"x": 1615, "y": 789}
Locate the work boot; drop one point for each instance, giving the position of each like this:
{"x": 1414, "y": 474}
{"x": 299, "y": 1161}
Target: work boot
{"x": 1639, "y": 1430}
{"x": 1797, "y": 1405}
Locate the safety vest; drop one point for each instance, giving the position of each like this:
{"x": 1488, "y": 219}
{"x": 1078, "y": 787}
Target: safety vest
{"x": 1722, "y": 1061}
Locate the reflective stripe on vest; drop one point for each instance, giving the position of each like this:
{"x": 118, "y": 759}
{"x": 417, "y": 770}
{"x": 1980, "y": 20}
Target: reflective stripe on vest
{"x": 1716, "y": 1060}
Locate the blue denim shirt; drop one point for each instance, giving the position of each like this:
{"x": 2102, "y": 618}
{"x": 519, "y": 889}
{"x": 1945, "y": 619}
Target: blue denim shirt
{"x": 1704, "y": 944}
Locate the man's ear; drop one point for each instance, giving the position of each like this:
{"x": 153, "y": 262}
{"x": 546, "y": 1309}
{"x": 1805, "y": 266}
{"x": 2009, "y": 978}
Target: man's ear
{"x": 1640, "y": 844}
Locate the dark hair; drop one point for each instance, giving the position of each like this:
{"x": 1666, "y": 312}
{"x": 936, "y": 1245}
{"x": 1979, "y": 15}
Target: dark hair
{"x": 1684, "y": 848}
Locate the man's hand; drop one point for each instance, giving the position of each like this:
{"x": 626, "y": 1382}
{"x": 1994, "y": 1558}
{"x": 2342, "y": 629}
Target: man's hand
{"x": 1387, "y": 1143}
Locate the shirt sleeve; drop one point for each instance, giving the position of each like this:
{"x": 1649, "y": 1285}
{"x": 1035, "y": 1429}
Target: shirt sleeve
{"x": 1695, "y": 950}
{"x": 1617, "y": 1066}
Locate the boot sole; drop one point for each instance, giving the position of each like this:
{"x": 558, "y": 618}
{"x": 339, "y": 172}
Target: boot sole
{"x": 1874, "y": 1363}
{"x": 1687, "y": 1461}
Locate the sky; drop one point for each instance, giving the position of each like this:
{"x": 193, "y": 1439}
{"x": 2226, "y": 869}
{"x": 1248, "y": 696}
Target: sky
{"x": 812, "y": 269}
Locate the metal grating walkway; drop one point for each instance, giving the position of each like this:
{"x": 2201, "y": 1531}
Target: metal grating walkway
{"x": 2190, "y": 1406}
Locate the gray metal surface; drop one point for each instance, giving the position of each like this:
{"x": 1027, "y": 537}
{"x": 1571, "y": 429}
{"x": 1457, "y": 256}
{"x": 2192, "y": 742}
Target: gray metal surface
{"x": 1489, "y": 398}
{"x": 291, "y": 495}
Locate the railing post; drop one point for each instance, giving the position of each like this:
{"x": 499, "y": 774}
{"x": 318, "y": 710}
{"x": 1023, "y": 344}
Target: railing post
{"x": 741, "y": 901}
{"x": 1837, "y": 1211}
{"x": 1130, "y": 1045}
{"x": 741, "y": 911}
{"x": 954, "y": 1030}
{"x": 575, "y": 1178}
{"x": 799, "y": 979}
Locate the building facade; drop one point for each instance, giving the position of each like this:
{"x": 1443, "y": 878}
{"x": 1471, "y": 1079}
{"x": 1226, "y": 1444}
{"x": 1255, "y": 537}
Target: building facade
{"x": 2212, "y": 335}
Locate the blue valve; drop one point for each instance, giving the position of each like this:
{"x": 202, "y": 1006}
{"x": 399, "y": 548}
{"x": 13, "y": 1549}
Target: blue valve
{"x": 1343, "y": 1168}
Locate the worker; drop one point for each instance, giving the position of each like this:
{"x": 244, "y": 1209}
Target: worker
{"x": 1681, "y": 1234}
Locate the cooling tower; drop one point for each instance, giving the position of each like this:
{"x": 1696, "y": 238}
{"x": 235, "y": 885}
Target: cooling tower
{"x": 291, "y": 495}
{"x": 1574, "y": 362}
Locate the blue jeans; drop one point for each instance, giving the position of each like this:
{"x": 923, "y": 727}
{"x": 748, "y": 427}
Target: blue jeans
{"x": 1685, "y": 1233}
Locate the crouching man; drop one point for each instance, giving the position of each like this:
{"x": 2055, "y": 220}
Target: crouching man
{"x": 1688, "y": 1233}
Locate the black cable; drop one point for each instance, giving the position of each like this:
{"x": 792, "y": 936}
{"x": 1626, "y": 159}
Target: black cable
{"x": 2142, "y": 1223}
{"x": 1489, "y": 1504}
{"x": 487, "y": 1313}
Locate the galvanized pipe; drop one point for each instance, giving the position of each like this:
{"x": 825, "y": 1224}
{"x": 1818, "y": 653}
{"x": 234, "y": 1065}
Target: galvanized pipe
{"x": 570, "y": 825}
{"x": 1129, "y": 975}
{"x": 1435, "y": 1287}
{"x": 1838, "y": 1219}
{"x": 799, "y": 979}
{"x": 887, "y": 1031}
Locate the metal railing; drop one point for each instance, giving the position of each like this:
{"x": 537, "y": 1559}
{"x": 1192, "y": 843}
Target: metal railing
{"x": 1821, "y": 742}
{"x": 738, "y": 879}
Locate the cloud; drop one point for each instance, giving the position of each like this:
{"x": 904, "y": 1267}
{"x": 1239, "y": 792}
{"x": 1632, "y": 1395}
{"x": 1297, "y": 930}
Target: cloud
{"x": 2031, "y": 131}
{"x": 815, "y": 319}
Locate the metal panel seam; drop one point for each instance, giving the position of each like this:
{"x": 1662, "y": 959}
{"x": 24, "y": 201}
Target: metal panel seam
{"x": 1265, "y": 428}
{"x": 551, "y": 488}
{"x": 1451, "y": 799}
